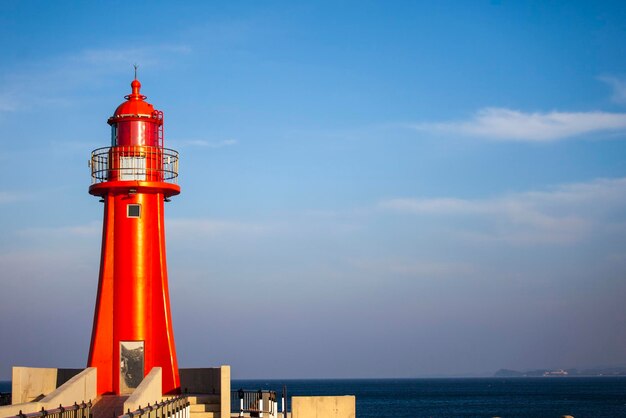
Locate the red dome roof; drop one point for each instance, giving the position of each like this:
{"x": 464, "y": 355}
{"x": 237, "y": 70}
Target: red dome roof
{"x": 134, "y": 106}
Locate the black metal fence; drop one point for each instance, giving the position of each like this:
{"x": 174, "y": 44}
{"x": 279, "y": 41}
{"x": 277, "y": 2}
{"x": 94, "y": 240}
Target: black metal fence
{"x": 172, "y": 408}
{"x": 82, "y": 410}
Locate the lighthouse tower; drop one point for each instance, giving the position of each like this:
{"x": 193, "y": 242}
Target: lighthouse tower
{"x": 132, "y": 328}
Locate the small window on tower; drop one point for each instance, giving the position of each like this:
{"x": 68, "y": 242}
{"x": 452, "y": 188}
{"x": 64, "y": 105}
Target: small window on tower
{"x": 134, "y": 211}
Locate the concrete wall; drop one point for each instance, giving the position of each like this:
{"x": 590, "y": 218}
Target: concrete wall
{"x": 201, "y": 380}
{"x": 214, "y": 380}
{"x": 33, "y": 383}
{"x": 225, "y": 391}
{"x": 149, "y": 391}
{"x": 79, "y": 388}
{"x": 323, "y": 406}
{"x": 63, "y": 375}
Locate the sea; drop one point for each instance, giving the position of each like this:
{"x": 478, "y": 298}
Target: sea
{"x": 550, "y": 397}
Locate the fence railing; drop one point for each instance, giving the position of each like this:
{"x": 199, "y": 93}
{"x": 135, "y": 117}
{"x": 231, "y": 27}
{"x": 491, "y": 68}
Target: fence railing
{"x": 135, "y": 162}
{"x": 5, "y": 398}
{"x": 258, "y": 403}
{"x": 82, "y": 410}
{"x": 171, "y": 408}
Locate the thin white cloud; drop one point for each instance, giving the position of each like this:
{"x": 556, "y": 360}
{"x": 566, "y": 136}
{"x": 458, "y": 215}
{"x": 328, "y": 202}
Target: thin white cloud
{"x": 7, "y": 103}
{"x": 144, "y": 56}
{"x": 564, "y": 214}
{"x": 10, "y": 197}
{"x": 512, "y": 125}
{"x": 92, "y": 229}
{"x": 618, "y": 86}
{"x": 208, "y": 144}
{"x": 435, "y": 205}
{"x": 211, "y": 227}
{"x": 413, "y": 268}
{"x": 49, "y": 82}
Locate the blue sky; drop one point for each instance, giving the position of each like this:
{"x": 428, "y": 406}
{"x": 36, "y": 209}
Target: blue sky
{"x": 369, "y": 189}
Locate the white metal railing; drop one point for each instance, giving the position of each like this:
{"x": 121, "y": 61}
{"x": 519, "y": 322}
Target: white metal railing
{"x": 137, "y": 162}
{"x": 257, "y": 402}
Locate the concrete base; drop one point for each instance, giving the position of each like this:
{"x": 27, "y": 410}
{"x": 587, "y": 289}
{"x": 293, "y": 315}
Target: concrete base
{"x": 31, "y": 384}
{"x": 209, "y": 381}
{"x": 148, "y": 392}
{"x": 323, "y": 406}
{"x": 108, "y": 406}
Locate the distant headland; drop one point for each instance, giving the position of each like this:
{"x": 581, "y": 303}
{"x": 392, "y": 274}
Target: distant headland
{"x": 597, "y": 371}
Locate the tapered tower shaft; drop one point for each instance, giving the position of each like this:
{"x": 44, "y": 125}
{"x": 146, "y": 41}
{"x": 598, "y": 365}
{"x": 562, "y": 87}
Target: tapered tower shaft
{"x": 132, "y": 329}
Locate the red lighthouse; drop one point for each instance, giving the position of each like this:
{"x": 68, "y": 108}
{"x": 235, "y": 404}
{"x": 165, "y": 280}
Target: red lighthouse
{"x": 132, "y": 328}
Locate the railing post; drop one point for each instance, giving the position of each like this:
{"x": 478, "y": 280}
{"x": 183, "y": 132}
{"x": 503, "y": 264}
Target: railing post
{"x": 284, "y": 401}
{"x": 240, "y": 402}
{"x": 260, "y": 403}
{"x": 274, "y": 405}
